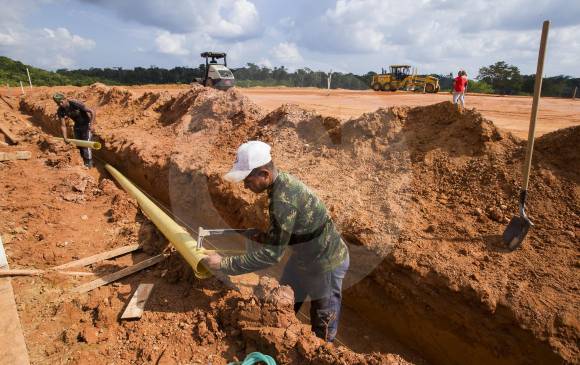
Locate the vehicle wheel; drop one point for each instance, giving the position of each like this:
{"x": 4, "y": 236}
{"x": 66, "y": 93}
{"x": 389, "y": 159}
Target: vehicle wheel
{"x": 392, "y": 88}
{"x": 429, "y": 88}
{"x": 376, "y": 86}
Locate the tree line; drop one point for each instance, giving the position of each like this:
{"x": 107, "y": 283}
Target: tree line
{"x": 499, "y": 78}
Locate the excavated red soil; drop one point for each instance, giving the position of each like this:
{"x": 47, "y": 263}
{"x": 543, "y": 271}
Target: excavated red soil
{"x": 426, "y": 190}
{"x": 54, "y": 211}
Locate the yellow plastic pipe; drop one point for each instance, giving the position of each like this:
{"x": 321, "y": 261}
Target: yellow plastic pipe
{"x": 81, "y": 143}
{"x": 176, "y": 234}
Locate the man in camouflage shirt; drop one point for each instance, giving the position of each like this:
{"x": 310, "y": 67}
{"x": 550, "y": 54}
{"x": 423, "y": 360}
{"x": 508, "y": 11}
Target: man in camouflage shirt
{"x": 299, "y": 219}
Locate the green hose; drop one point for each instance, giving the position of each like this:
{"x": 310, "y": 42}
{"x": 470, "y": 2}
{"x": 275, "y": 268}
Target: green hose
{"x": 254, "y": 358}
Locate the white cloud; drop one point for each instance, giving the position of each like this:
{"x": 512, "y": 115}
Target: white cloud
{"x": 66, "y": 40}
{"x": 7, "y": 39}
{"x": 173, "y": 44}
{"x": 44, "y": 47}
{"x": 50, "y": 48}
{"x": 287, "y": 53}
{"x": 346, "y": 35}
{"x": 60, "y": 61}
{"x": 287, "y": 22}
{"x": 264, "y": 62}
{"x": 220, "y": 19}
{"x": 235, "y": 20}
{"x": 437, "y": 35}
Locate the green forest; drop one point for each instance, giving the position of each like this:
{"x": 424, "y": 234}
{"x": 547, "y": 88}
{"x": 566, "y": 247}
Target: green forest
{"x": 499, "y": 78}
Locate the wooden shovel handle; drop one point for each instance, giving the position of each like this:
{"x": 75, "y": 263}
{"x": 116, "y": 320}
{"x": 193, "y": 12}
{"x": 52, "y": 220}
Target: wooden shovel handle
{"x": 536, "y": 102}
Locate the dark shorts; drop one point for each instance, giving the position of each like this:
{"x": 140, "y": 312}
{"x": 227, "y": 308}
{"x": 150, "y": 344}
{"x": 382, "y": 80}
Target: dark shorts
{"x": 325, "y": 293}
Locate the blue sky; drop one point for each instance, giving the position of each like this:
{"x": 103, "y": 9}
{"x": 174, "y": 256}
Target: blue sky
{"x": 344, "y": 35}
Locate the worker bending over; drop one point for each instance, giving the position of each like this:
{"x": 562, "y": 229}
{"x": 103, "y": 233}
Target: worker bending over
{"x": 83, "y": 118}
{"x": 299, "y": 219}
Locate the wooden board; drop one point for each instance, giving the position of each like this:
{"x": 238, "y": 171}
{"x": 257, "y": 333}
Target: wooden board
{"x": 137, "y": 303}
{"x": 12, "y": 346}
{"x": 119, "y": 274}
{"x": 35, "y": 272}
{"x": 8, "y": 134}
{"x": 98, "y": 257}
{"x": 18, "y": 155}
{"x": 7, "y": 102}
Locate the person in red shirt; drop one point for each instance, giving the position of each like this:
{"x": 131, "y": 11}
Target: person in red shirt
{"x": 459, "y": 88}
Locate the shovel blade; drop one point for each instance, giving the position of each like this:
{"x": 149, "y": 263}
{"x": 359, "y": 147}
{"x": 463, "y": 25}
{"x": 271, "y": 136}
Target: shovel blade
{"x": 516, "y": 231}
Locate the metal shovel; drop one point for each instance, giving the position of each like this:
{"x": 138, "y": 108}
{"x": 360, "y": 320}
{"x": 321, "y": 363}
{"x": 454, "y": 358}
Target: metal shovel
{"x": 518, "y": 227}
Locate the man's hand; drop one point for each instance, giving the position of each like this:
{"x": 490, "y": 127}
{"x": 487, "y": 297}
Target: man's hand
{"x": 212, "y": 262}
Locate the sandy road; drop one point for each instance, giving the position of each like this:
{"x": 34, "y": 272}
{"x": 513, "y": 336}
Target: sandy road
{"x": 508, "y": 112}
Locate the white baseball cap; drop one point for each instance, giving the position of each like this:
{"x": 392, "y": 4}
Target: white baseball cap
{"x": 250, "y": 155}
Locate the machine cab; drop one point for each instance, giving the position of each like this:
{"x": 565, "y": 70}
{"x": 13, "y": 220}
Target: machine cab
{"x": 399, "y": 72}
{"x": 217, "y": 75}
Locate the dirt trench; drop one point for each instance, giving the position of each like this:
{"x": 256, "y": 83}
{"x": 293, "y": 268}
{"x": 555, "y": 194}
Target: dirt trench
{"x": 55, "y": 211}
{"x": 428, "y": 191}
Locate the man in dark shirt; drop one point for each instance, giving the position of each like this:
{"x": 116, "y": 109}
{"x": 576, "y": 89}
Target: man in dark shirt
{"x": 299, "y": 219}
{"x": 83, "y": 118}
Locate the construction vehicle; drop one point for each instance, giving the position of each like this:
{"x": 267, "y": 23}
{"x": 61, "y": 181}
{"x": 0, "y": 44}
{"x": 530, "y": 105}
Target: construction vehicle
{"x": 217, "y": 75}
{"x": 401, "y": 77}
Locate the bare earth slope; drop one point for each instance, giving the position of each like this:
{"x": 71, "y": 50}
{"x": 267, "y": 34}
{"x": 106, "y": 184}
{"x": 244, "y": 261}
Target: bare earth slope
{"x": 426, "y": 190}
{"x": 53, "y": 211}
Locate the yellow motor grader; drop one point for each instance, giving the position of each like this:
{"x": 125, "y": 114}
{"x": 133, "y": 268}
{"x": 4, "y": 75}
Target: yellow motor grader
{"x": 400, "y": 77}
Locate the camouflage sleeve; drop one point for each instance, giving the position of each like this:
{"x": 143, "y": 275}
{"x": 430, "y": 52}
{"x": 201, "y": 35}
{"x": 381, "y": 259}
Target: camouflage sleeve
{"x": 282, "y": 221}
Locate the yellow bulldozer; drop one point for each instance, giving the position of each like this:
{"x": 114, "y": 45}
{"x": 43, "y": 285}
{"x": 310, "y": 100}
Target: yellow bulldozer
{"x": 401, "y": 77}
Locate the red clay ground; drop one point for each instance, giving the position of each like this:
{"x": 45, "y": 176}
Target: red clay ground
{"x": 421, "y": 194}
{"x": 54, "y": 211}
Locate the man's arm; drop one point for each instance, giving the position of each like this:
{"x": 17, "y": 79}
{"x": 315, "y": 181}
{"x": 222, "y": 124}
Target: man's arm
{"x": 92, "y": 115}
{"x": 278, "y": 237}
{"x": 63, "y": 128}
{"x": 61, "y": 115}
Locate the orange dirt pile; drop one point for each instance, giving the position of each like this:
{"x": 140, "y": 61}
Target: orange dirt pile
{"x": 427, "y": 190}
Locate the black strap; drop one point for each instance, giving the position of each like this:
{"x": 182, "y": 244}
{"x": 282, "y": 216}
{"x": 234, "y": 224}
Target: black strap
{"x": 301, "y": 238}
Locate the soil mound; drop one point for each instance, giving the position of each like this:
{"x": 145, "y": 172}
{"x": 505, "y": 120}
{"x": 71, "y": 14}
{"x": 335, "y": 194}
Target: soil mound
{"x": 210, "y": 109}
{"x": 110, "y": 95}
{"x": 562, "y": 149}
{"x": 266, "y": 321}
{"x": 309, "y": 126}
{"x": 422, "y": 129}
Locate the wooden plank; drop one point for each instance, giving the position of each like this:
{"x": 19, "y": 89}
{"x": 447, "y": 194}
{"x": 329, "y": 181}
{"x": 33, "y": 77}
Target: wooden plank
{"x": 137, "y": 303}
{"x": 7, "y": 103}
{"x": 13, "y": 349}
{"x": 119, "y": 274}
{"x": 19, "y": 155}
{"x": 35, "y": 272}
{"x": 8, "y": 134}
{"x": 98, "y": 257}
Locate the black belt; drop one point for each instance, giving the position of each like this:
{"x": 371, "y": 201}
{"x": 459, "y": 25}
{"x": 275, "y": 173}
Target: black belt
{"x": 301, "y": 238}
